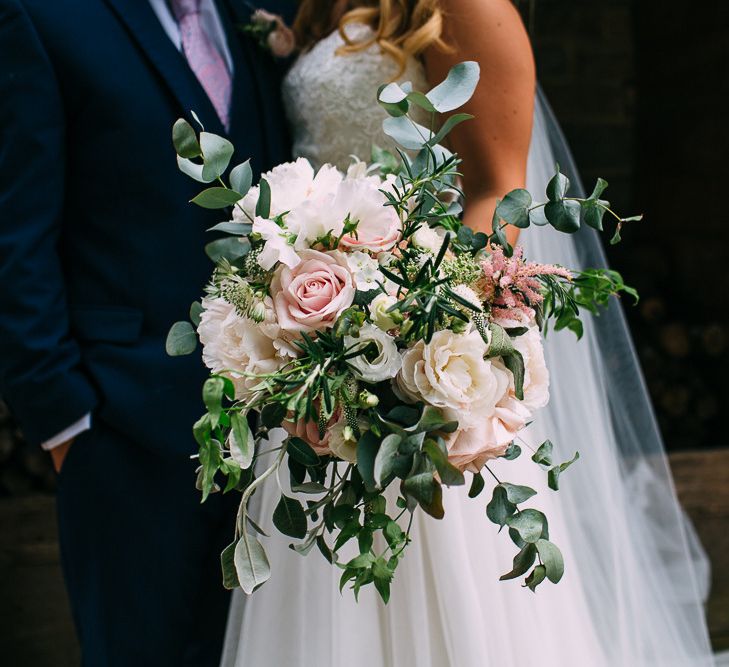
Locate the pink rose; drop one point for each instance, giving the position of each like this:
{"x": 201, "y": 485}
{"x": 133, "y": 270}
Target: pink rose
{"x": 471, "y": 448}
{"x": 308, "y": 431}
{"x": 312, "y": 295}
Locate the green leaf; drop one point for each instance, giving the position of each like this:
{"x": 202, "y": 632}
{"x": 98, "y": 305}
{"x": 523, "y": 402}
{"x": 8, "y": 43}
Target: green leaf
{"x": 196, "y": 310}
{"x": 382, "y": 578}
{"x": 393, "y": 99}
{"x": 407, "y": 133}
{"x": 499, "y": 508}
{"x": 543, "y": 455}
{"x": 449, "y": 474}
{"x": 212, "y": 394}
{"x": 554, "y": 473}
{"x": 564, "y": 216}
{"x": 477, "y": 485}
{"x": 501, "y": 344}
{"x": 289, "y": 517}
{"x": 386, "y": 159}
{"x": 300, "y": 451}
{"x": 515, "y": 363}
{"x": 263, "y": 205}
{"x": 181, "y": 339}
{"x": 366, "y": 452}
{"x": 535, "y": 578}
{"x": 552, "y": 559}
{"x": 241, "y": 440}
{"x": 231, "y": 248}
{"x": 216, "y": 197}
{"x": 591, "y": 213}
{"x": 227, "y": 564}
{"x": 184, "y": 139}
{"x": 232, "y": 227}
{"x": 457, "y": 88}
{"x": 600, "y": 187}
{"x": 385, "y": 458}
{"x": 421, "y": 486}
{"x": 529, "y": 523}
{"x": 514, "y": 208}
{"x": 321, "y": 543}
{"x": 513, "y": 452}
{"x": 557, "y": 186}
{"x": 308, "y": 487}
{"x": 522, "y": 562}
{"x": 432, "y": 419}
{"x": 193, "y": 170}
{"x": 518, "y": 494}
{"x": 216, "y": 153}
{"x": 273, "y": 414}
{"x": 241, "y": 177}
{"x": 251, "y": 563}
{"x": 451, "y": 122}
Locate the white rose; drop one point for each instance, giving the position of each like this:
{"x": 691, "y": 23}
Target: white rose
{"x": 234, "y": 346}
{"x": 378, "y": 311}
{"x": 382, "y": 364}
{"x": 428, "y": 239}
{"x": 536, "y": 374}
{"x": 450, "y": 373}
{"x": 365, "y": 269}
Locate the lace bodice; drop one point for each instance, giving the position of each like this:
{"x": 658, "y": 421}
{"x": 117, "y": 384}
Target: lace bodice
{"x": 331, "y": 101}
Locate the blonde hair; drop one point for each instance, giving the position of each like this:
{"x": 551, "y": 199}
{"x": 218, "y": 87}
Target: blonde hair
{"x": 401, "y": 28}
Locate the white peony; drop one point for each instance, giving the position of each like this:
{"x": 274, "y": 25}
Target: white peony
{"x": 234, "y": 346}
{"x": 381, "y": 364}
{"x": 366, "y": 270}
{"x": 378, "y": 311}
{"x": 536, "y": 374}
{"x": 291, "y": 184}
{"x": 450, "y": 373}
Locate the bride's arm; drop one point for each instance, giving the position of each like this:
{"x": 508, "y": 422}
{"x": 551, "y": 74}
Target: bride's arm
{"x": 493, "y": 146}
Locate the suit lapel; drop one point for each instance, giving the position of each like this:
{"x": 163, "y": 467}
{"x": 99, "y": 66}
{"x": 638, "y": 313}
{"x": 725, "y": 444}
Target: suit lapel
{"x": 144, "y": 27}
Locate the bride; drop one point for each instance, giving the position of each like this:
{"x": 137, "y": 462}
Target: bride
{"x": 632, "y": 594}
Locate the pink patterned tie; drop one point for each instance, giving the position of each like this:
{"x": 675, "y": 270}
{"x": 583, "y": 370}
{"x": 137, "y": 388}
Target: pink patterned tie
{"x": 205, "y": 60}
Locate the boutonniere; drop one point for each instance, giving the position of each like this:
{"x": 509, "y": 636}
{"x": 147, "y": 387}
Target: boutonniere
{"x": 271, "y": 33}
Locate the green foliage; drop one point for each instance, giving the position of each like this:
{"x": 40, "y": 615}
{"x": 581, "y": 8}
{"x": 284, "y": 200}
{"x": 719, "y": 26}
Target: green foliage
{"x": 181, "y": 339}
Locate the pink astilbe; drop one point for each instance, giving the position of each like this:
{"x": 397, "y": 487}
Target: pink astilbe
{"x": 511, "y": 284}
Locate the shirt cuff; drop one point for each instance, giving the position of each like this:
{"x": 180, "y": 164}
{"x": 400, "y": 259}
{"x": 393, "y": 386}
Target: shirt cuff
{"x": 83, "y": 424}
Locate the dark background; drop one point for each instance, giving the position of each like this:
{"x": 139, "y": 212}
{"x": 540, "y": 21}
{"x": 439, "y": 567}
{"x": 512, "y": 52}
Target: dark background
{"x": 641, "y": 89}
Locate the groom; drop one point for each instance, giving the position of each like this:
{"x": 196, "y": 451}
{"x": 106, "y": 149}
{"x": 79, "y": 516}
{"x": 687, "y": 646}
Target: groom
{"x": 99, "y": 253}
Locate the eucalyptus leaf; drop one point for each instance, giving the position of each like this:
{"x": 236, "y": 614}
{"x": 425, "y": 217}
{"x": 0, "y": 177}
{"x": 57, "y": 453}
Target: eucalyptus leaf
{"x": 529, "y": 523}
{"x": 557, "y": 186}
{"x": 251, "y": 563}
{"x": 196, "y": 310}
{"x": 230, "y": 248}
{"x": 514, "y": 208}
{"x": 385, "y": 458}
{"x": 522, "y": 562}
{"x": 185, "y": 140}
{"x": 513, "y": 451}
{"x": 216, "y": 197}
{"x": 501, "y": 344}
{"x": 232, "y": 227}
{"x": 536, "y": 577}
{"x": 366, "y": 452}
{"x": 451, "y": 122}
{"x": 406, "y": 132}
{"x": 477, "y": 485}
{"x": 554, "y": 473}
{"x": 216, "y": 153}
{"x": 181, "y": 339}
{"x": 194, "y": 170}
{"x": 543, "y": 455}
{"x": 449, "y": 474}
{"x": 499, "y": 508}
{"x": 302, "y": 452}
{"x": 518, "y": 494}
{"x": 263, "y": 205}
{"x": 457, "y": 88}
{"x": 515, "y": 363}
{"x": 241, "y": 177}
{"x": 564, "y": 216}
{"x": 552, "y": 559}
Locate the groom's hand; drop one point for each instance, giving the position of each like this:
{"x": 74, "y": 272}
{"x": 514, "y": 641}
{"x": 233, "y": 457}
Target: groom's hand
{"x": 58, "y": 454}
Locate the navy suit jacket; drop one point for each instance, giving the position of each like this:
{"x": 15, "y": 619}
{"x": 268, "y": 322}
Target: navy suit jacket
{"x": 100, "y": 251}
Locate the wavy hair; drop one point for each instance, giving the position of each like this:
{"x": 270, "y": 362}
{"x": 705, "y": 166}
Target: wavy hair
{"x": 401, "y": 28}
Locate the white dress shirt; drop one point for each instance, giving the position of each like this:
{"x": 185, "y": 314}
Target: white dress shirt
{"x": 213, "y": 26}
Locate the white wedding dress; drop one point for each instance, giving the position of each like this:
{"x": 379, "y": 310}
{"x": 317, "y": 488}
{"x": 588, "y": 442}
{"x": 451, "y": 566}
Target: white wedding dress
{"x": 632, "y": 592}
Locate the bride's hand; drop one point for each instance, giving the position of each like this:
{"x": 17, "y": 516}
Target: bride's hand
{"x": 494, "y": 146}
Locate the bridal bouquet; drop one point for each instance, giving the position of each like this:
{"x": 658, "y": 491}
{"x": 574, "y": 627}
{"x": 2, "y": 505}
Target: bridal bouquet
{"x": 365, "y": 342}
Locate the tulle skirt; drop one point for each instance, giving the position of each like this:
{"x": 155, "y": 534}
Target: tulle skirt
{"x": 635, "y": 576}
